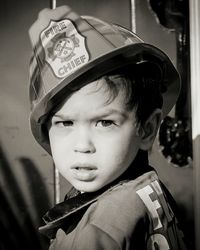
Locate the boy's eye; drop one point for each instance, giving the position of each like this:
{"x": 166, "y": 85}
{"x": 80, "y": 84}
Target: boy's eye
{"x": 64, "y": 123}
{"x": 105, "y": 123}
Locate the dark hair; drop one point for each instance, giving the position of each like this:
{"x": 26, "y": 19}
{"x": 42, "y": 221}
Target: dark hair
{"x": 142, "y": 85}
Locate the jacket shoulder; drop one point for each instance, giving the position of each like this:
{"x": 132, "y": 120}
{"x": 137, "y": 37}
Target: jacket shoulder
{"x": 121, "y": 213}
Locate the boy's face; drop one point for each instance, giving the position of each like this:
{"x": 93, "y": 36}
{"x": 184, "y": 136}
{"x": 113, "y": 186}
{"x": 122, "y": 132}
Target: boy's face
{"x": 93, "y": 141}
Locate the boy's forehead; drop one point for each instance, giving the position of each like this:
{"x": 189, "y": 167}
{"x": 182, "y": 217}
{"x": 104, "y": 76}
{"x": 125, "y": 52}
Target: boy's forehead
{"x": 96, "y": 95}
{"x": 94, "y": 87}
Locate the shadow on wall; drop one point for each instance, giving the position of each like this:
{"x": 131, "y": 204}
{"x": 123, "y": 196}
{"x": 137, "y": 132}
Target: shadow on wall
{"x": 18, "y": 225}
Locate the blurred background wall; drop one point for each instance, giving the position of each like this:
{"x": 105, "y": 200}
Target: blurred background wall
{"x": 26, "y": 170}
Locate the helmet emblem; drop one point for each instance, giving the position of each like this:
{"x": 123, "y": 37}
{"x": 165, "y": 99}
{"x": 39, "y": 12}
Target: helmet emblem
{"x": 64, "y": 47}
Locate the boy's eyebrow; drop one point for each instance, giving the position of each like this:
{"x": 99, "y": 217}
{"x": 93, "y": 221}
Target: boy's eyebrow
{"x": 111, "y": 112}
{"x": 96, "y": 115}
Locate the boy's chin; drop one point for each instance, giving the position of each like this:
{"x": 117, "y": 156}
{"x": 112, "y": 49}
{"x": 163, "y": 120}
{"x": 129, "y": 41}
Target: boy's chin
{"x": 87, "y": 187}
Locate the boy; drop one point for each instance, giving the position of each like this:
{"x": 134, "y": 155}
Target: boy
{"x": 98, "y": 94}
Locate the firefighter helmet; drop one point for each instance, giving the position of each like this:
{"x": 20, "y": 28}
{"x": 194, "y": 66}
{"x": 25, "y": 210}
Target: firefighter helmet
{"x": 70, "y": 51}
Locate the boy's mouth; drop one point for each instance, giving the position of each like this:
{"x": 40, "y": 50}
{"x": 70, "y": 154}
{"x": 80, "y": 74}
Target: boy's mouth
{"x": 84, "y": 172}
{"x": 84, "y": 168}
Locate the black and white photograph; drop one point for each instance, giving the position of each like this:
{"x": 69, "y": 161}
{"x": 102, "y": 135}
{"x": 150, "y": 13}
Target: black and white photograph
{"x": 100, "y": 125}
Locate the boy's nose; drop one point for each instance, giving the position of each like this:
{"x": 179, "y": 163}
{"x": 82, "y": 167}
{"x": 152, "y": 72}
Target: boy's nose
{"x": 83, "y": 142}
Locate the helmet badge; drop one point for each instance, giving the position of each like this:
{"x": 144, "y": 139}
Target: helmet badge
{"x": 64, "y": 47}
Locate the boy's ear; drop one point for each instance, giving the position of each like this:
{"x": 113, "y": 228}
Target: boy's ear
{"x": 149, "y": 129}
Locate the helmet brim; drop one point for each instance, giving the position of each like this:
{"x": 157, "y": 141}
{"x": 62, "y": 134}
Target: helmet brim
{"x": 94, "y": 69}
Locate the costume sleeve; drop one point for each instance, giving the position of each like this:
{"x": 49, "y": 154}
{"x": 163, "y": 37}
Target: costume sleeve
{"x": 94, "y": 238}
{"x": 91, "y": 237}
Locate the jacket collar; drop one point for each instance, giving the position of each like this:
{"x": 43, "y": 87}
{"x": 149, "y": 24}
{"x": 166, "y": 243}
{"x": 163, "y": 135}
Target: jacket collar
{"x": 76, "y": 203}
